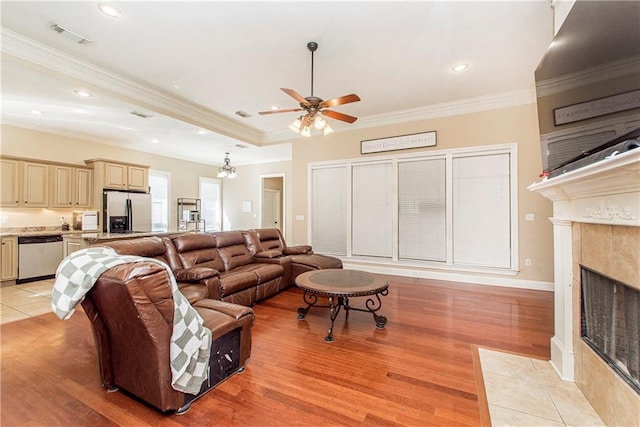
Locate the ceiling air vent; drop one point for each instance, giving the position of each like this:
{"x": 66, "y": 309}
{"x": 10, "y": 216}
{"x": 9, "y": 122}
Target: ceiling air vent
{"x": 243, "y": 114}
{"x": 71, "y": 35}
{"x": 141, "y": 115}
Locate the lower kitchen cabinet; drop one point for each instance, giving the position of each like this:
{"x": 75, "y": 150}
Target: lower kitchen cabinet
{"x": 9, "y": 257}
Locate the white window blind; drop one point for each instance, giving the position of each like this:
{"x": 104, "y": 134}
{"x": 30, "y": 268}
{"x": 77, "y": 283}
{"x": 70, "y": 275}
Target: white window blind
{"x": 481, "y": 211}
{"x": 422, "y": 210}
{"x": 329, "y": 210}
{"x": 372, "y": 210}
{"x": 210, "y": 198}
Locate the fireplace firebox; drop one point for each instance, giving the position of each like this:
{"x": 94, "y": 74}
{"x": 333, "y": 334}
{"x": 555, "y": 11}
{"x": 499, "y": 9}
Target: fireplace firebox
{"x": 610, "y": 320}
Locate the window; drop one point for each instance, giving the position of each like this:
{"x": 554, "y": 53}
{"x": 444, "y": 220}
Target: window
{"x": 449, "y": 207}
{"x": 210, "y": 197}
{"x": 159, "y": 183}
{"x": 422, "y": 210}
{"x": 372, "y": 210}
{"x": 329, "y": 210}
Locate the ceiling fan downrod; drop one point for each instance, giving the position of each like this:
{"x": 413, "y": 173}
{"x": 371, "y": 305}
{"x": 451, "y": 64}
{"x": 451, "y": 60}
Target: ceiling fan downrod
{"x": 312, "y": 46}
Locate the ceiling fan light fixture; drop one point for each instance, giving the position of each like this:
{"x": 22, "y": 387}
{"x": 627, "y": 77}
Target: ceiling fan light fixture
{"x": 319, "y": 123}
{"x": 327, "y": 130}
{"x": 295, "y": 126}
{"x": 306, "y": 132}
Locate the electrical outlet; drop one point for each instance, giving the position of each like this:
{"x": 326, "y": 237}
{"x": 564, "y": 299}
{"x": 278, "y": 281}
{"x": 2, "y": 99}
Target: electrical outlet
{"x": 529, "y": 217}
{"x": 5, "y": 219}
{"x": 527, "y": 262}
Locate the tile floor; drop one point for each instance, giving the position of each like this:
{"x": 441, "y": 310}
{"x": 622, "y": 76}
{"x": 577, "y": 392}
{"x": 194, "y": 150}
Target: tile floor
{"x": 527, "y": 392}
{"x": 25, "y": 300}
{"x": 520, "y": 391}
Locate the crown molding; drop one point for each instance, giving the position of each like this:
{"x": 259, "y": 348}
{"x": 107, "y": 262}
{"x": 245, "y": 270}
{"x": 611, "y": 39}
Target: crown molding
{"x": 445, "y": 109}
{"x": 53, "y": 60}
{"x": 608, "y": 71}
{"x": 129, "y": 90}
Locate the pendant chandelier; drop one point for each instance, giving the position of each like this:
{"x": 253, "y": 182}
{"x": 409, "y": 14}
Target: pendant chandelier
{"x": 226, "y": 170}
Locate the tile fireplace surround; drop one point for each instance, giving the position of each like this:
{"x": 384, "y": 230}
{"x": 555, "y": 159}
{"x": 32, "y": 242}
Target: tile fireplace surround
{"x": 596, "y": 222}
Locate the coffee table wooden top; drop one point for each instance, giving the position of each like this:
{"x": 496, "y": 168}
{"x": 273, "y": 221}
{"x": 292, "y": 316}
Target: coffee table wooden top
{"x": 341, "y": 283}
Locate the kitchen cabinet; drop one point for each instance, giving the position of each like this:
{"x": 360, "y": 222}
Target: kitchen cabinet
{"x": 123, "y": 176}
{"x": 10, "y": 190}
{"x": 9, "y": 258}
{"x": 72, "y": 187}
{"x": 137, "y": 178}
{"x": 35, "y": 185}
{"x": 73, "y": 243}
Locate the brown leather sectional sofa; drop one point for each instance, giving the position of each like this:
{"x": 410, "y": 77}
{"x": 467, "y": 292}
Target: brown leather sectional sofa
{"x": 240, "y": 267}
{"x": 221, "y": 274}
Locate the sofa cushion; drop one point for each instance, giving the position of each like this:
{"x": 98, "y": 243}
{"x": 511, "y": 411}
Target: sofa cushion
{"x": 232, "y": 249}
{"x": 317, "y": 261}
{"x": 236, "y": 281}
{"x": 198, "y": 250}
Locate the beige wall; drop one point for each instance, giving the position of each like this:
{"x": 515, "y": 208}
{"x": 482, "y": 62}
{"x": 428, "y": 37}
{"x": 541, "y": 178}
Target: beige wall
{"x": 510, "y": 125}
{"x": 246, "y": 187}
{"x": 44, "y": 146}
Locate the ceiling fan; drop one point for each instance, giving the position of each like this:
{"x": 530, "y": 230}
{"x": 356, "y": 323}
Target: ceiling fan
{"x": 315, "y": 107}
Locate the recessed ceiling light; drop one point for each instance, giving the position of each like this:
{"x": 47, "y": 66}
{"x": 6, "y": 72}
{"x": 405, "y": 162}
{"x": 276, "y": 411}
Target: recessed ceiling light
{"x": 176, "y": 87}
{"x": 275, "y": 107}
{"x": 36, "y": 112}
{"x": 155, "y": 141}
{"x": 109, "y": 10}
{"x": 460, "y": 67}
{"x": 201, "y": 131}
{"x": 82, "y": 93}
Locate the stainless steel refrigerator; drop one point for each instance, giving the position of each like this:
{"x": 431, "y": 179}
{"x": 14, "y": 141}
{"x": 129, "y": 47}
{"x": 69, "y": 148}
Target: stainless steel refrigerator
{"x": 124, "y": 212}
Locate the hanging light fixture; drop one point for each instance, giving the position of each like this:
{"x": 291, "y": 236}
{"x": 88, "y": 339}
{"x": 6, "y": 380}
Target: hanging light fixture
{"x": 226, "y": 170}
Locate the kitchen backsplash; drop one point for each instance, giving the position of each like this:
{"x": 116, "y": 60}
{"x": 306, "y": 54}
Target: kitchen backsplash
{"x": 16, "y": 218}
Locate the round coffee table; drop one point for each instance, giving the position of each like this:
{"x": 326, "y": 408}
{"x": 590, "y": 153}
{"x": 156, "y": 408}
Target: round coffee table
{"x": 339, "y": 285}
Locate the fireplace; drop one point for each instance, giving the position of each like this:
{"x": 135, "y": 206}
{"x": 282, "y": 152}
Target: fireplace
{"x": 596, "y": 227}
{"x": 609, "y": 323}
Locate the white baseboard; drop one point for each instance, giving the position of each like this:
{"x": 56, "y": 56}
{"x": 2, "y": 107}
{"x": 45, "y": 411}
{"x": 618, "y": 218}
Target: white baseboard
{"x": 475, "y": 278}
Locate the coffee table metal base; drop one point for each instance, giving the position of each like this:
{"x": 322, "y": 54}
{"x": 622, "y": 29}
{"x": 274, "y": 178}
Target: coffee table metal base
{"x": 372, "y": 306}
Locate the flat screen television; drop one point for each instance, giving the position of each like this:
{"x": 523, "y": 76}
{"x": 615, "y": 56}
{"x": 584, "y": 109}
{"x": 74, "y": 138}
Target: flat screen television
{"x": 588, "y": 85}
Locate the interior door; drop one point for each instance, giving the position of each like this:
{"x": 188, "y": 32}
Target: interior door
{"x": 271, "y": 209}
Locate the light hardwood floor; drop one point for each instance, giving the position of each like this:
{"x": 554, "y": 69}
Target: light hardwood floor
{"x": 417, "y": 371}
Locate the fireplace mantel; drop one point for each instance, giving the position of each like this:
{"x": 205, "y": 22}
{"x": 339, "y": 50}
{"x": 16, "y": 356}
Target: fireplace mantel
{"x": 606, "y": 192}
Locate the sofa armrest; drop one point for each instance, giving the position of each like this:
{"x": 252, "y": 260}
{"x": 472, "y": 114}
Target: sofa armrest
{"x": 234, "y": 311}
{"x": 268, "y": 254}
{"x": 298, "y": 250}
{"x": 195, "y": 274}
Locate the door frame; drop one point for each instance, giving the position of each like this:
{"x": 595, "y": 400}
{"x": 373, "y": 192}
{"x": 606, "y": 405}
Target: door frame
{"x": 283, "y": 210}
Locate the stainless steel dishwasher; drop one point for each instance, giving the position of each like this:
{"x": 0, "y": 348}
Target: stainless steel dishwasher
{"x": 38, "y": 257}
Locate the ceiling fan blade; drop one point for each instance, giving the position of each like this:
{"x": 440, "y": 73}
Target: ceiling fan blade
{"x": 280, "y": 111}
{"x": 340, "y": 101}
{"x": 295, "y": 95}
{"x": 339, "y": 116}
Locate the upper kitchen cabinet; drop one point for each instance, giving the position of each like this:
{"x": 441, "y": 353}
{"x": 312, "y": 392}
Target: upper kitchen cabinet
{"x": 24, "y": 183}
{"x": 119, "y": 176}
{"x": 72, "y": 187}
{"x": 10, "y": 173}
{"x": 35, "y": 185}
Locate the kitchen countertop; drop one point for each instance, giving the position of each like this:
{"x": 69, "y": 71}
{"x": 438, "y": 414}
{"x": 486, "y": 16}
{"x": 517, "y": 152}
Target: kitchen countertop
{"x": 89, "y": 235}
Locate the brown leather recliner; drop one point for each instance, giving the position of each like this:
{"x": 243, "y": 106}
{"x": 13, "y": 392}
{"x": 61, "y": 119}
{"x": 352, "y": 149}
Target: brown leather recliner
{"x": 272, "y": 244}
{"x": 131, "y": 312}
